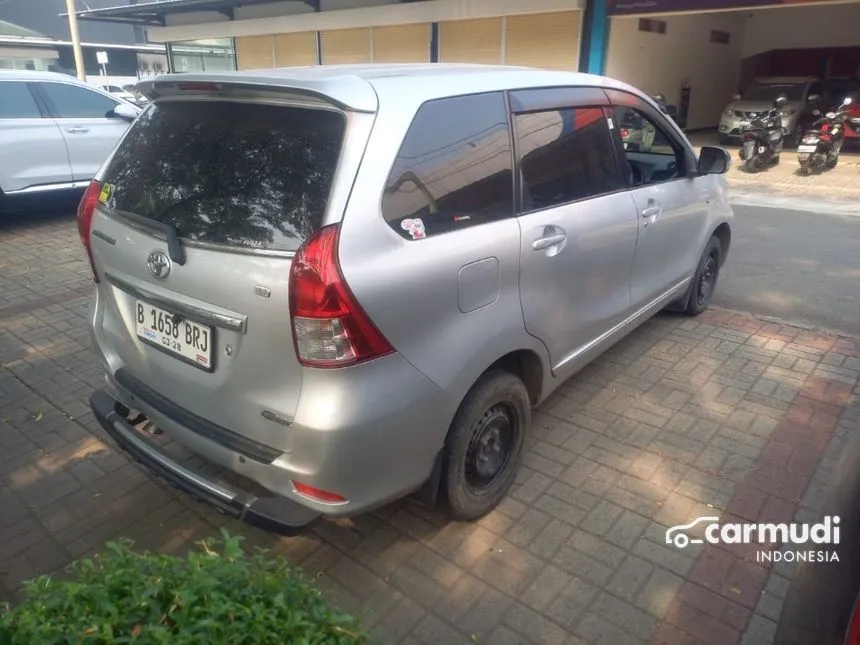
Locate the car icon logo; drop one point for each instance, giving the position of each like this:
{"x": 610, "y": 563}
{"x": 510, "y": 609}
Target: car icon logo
{"x": 158, "y": 264}
{"x": 681, "y": 539}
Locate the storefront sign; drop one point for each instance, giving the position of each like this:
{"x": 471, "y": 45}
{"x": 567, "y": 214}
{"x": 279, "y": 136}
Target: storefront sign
{"x": 635, "y": 7}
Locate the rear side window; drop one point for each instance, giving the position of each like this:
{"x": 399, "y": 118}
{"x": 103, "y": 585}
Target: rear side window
{"x": 16, "y": 101}
{"x": 73, "y": 102}
{"x": 238, "y": 174}
{"x": 565, "y": 155}
{"x": 454, "y": 168}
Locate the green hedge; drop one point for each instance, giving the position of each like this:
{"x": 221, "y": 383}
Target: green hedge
{"x": 219, "y": 594}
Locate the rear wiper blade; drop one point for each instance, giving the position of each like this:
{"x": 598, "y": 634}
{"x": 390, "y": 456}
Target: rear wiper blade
{"x": 174, "y": 248}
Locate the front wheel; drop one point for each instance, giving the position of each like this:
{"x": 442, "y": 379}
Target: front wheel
{"x": 485, "y": 444}
{"x": 705, "y": 279}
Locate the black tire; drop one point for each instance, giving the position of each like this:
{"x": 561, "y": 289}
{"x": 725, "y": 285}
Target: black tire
{"x": 705, "y": 279}
{"x": 775, "y": 160}
{"x": 831, "y": 163}
{"x": 484, "y": 445}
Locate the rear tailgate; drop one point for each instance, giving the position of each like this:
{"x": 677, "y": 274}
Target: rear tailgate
{"x": 242, "y": 183}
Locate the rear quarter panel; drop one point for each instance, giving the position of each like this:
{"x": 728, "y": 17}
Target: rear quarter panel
{"x": 410, "y": 287}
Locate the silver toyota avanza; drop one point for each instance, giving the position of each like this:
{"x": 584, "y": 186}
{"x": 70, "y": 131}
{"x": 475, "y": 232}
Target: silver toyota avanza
{"x": 343, "y": 285}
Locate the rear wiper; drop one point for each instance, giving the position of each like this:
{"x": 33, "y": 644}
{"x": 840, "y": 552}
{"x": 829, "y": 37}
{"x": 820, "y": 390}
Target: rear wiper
{"x": 174, "y": 248}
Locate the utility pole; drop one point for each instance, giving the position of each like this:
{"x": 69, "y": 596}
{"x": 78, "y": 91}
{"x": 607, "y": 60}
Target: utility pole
{"x": 76, "y": 40}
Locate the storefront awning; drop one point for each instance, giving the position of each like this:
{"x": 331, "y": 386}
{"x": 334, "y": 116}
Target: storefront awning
{"x": 155, "y": 13}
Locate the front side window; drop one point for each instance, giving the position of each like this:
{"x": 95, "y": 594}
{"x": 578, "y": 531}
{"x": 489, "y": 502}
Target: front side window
{"x": 237, "y": 174}
{"x": 652, "y": 156}
{"x": 565, "y": 155}
{"x": 16, "y": 101}
{"x": 454, "y": 168}
{"x": 73, "y": 102}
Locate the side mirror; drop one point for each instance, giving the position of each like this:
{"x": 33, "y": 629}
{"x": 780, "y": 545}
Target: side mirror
{"x": 714, "y": 161}
{"x": 847, "y": 101}
{"x": 813, "y": 98}
{"x": 124, "y": 111}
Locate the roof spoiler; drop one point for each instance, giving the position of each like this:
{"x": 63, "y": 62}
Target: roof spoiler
{"x": 346, "y": 92}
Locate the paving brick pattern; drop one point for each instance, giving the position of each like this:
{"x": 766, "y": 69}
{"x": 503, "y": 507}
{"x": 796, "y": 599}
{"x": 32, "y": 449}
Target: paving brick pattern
{"x": 724, "y": 415}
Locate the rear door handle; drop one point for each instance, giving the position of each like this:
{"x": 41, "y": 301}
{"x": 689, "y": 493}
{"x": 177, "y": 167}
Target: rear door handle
{"x": 651, "y": 211}
{"x": 543, "y": 243}
{"x": 77, "y": 130}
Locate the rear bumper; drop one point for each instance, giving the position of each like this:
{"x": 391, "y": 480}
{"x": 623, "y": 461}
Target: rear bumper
{"x": 276, "y": 514}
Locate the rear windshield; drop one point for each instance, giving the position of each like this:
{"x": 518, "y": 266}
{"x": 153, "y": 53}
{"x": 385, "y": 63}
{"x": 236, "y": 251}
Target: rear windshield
{"x": 239, "y": 174}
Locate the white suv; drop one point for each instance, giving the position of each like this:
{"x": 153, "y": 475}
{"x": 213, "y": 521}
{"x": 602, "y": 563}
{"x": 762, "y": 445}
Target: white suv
{"x": 55, "y": 132}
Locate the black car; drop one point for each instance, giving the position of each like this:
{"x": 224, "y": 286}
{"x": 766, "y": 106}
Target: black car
{"x": 821, "y": 606}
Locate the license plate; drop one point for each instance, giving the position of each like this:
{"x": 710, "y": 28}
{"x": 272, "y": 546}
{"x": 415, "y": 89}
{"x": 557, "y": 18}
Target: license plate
{"x": 810, "y": 148}
{"x": 184, "y": 339}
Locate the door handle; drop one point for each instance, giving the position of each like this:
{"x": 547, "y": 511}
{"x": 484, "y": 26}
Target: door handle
{"x": 651, "y": 211}
{"x": 77, "y": 130}
{"x": 543, "y": 243}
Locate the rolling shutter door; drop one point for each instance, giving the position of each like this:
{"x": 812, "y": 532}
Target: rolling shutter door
{"x": 402, "y": 44}
{"x": 547, "y": 40}
{"x": 345, "y": 46}
{"x": 254, "y": 52}
{"x": 295, "y": 50}
{"x": 471, "y": 41}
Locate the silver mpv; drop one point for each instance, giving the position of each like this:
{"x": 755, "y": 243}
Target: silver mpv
{"x": 343, "y": 285}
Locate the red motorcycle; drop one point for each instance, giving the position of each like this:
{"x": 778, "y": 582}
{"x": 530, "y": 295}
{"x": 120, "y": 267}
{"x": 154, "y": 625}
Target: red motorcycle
{"x": 820, "y": 146}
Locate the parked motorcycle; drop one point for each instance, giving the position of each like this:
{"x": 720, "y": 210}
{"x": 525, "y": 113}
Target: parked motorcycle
{"x": 670, "y": 110}
{"x": 762, "y": 138}
{"x": 820, "y": 147}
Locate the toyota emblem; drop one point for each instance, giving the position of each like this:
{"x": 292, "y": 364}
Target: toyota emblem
{"x": 158, "y": 264}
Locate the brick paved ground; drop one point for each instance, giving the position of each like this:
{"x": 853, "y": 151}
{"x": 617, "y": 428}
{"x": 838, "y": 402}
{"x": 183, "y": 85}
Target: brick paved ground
{"x": 722, "y": 415}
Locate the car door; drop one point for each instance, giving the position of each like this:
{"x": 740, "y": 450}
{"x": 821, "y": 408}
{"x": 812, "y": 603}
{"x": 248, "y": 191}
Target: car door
{"x": 671, "y": 199}
{"x": 32, "y": 151}
{"x": 578, "y": 226}
{"x": 84, "y": 116}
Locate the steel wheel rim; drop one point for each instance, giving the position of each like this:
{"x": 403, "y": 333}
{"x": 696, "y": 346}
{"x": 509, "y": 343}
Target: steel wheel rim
{"x": 490, "y": 448}
{"x": 707, "y": 280}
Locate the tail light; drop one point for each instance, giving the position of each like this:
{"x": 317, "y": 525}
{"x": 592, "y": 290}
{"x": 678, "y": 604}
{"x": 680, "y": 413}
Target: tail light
{"x": 330, "y": 329}
{"x": 318, "y": 494}
{"x": 86, "y": 209}
{"x": 749, "y": 136}
{"x": 826, "y": 137}
{"x": 625, "y": 133}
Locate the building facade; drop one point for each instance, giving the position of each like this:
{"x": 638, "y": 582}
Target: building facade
{"x": 698, "y": 53}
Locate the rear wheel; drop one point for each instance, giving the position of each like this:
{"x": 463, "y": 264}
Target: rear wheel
{"x": 831, "y": 163}
{"x": 705, "y": 279}
{"x": 485, "y": 444}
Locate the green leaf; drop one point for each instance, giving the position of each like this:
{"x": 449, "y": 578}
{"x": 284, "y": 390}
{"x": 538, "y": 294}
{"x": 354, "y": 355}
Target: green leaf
{"x": 217, "y": 593}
